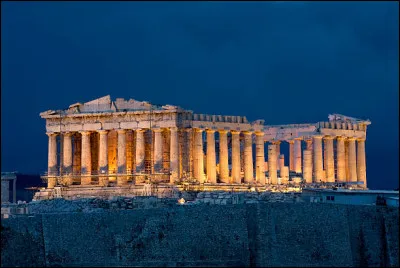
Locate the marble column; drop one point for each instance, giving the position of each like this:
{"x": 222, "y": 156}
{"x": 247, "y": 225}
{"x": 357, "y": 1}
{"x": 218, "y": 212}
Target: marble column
{"x": 158, "y": 150}
{"x": 86, "y": 159}
{"x": 317, "y": 153}
{"x": 291, "y": 155}
{"x": 198, "y": 155}
{"x": 361, "y": 165}
{"x": 248, "y": 157}
{"x": 67, "y": 151}
{"x": 121, "y": 157}
{"x": 223, "y": 156}
{"x": 236, "y": 157}
{"x": 67, "y": 158}
{"x": 103, "y": 157}
{"x": 340, "y": 159}
{"x": 174, "y": 155}
{"x": 307, "y": 166}
{"x": 329, "y": 159}
{"x": 352, "y": 160}
{"x": 140, "y": 150}
{"x": 297, "y": 155}
{"x": 272, "y": 161}
{"x": 346, "y": 159}
{"x": 309, "y": 145}
{"x": 189, "y": 137}
{"x": 52, "y": 160}
{"x": 278, "y": 153}
{"x": 211, "y": 159}
{"x": 260, "y": 158}
{"x": 281, "y": 162}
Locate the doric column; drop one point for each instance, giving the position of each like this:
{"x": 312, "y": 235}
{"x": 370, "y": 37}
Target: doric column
{"x": 297, "y": 155}
{"x": 236, "y": 157}
{"x": 340, "y": 159}
{"x": 223, "y": 156}
{"x": 281, "y": 162}
{"x": 103, "y": 157}
{"x": 352, "y": 160}
{"x": 248, "y": 157}
{"x": 260, "y": 158}
{"x": 346, "y": 159}
{"x": 174, "y": 155}
{"x": 211, "y": 168}
{"x": 52, "y": 160}
{"x": 291, "y": 155}
{"x": 272, "y": 160}
{"x": 329, "y": 159}
{"x": 307, "y": 166}
{"x": 278, "y": 153}
{"x": 140, "y": 150}
{"x": 67, "y": 159}
{"x": 158, "y": 150}
{"x": 198, "y": 155}
{"x": 317, "y": 153}
{"x": 86, "y": 160}
{"x": 189, "y": 136}
{"x": 361, "y": 165}
{"x": 309, "y": 145}
{"x": 121, "y": 157}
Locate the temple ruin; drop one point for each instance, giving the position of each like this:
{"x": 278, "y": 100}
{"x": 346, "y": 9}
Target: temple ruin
{"x": 122, "y": 143}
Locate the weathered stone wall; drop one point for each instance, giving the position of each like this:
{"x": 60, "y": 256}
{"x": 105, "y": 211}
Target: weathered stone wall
{"x": 274, "y": 234}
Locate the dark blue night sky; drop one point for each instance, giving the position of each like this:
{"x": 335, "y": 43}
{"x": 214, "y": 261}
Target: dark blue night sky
{"x": 285, "y": 62}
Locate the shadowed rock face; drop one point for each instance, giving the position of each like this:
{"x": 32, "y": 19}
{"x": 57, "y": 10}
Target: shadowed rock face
{"x": 246, "y": 235}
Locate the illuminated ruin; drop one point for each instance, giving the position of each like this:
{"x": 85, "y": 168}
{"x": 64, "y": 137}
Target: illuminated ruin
{"x": 105, "y": 143}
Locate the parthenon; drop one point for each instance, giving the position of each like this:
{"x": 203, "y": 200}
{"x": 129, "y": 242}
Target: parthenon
{"x": 109, "y": 143}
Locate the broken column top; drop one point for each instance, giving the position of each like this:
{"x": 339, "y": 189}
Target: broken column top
{"x": 105, "y": 104}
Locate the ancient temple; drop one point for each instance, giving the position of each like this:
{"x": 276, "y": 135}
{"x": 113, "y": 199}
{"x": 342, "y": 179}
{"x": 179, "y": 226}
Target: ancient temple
{"x": 105, "y": 143}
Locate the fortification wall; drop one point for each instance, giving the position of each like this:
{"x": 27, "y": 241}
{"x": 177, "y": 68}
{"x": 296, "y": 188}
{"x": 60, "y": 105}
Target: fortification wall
{"x": 274, "y": 234}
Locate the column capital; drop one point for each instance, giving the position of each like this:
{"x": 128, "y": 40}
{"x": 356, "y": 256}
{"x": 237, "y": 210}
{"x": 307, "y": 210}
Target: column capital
{"x": 200, "y": 130}
{"x": 351, "y": 138}
{"x": 342, "y": 138}
{"x": 277, "y": 142}
{"x": 84, "y": 132}
{"x": 140, "y": 129}
{"x": 298, "y": 139}
{"x": 121, "y": 131}
{"x": 157, "y": 130}
{"x": 290, "y": 141}
{"x": 329, "y": 137}
{"x": 361, "y": 139}
{"x": 210, "y": 130}
{"x": 247, "y": 133}
{"x": 173, "y": 129}
{"x": 68, "y": 133}
{"x": 259, "y": 133}
{"x": 50, "y": 134}
{"x": 235, "y": 132}
{"x": 317, "y": 136}
{"x": 102, "y": 131}
{"x": 222, "y": 131}
{"x": 188, "y": 129}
